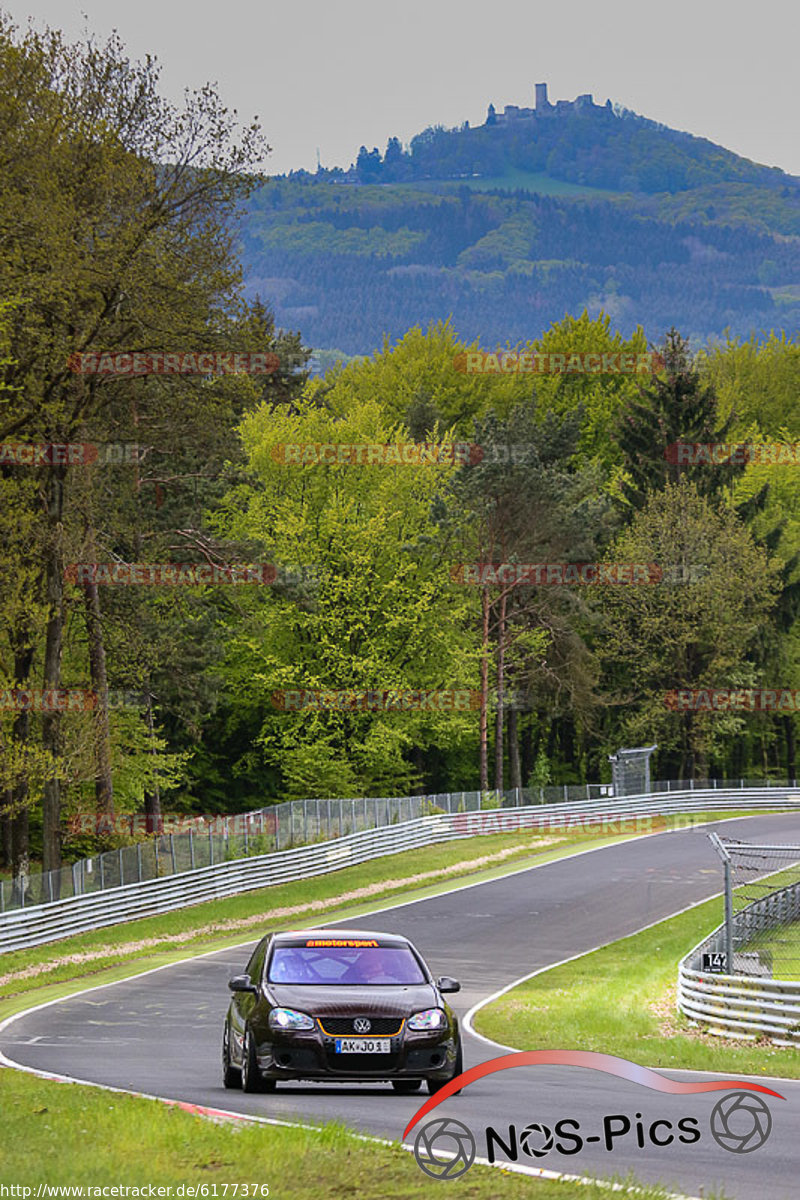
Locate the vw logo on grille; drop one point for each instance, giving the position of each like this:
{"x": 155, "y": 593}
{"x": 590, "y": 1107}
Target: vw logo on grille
{"x": 362, "y": 1025}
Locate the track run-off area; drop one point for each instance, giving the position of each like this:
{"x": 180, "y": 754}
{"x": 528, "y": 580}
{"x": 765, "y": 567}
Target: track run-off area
{"x": 159, "y": 1033}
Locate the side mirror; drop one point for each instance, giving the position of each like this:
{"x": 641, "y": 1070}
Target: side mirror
{"x": 242, "y": 983}
{"x": 446, "y": 984}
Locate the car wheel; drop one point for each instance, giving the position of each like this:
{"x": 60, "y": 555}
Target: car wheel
{"x": 435, "y": 1085}
{"x": 231, "y": 1076}
{"x": 406, "y": 1085}
{"x": 252, "y": 1079}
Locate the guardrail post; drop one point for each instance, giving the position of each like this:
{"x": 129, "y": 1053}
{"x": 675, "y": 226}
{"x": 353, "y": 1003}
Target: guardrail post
{"x": 172, "y": 852}
{"x": 211, "y": 845}
{"x": 191, "y": 848}
{"x": 121, "y": 880}
{"x": 155, "y": 850}
{"x": 728, "y": 919}
{"x": 139, "y": 860}
{"x": 100, "y": 858}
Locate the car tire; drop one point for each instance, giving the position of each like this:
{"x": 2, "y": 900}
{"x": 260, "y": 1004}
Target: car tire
{"x": 435, "y": 1085}
{"x": 252, "y": 1079}
{"x": 406, "y": 1085}
{"x": 231, "y": 1076}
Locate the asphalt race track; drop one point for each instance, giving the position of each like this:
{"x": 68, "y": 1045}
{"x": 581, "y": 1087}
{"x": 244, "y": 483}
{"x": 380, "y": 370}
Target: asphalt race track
{"x": 160, "y": 1033}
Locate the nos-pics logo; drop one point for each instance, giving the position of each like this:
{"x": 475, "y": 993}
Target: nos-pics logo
{"x": 740, "y": 1122}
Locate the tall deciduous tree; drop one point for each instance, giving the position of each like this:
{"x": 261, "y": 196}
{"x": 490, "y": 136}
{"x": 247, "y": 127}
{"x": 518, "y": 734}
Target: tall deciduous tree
{"x": 694, "y": 630}
{"x": 115, "y": 222}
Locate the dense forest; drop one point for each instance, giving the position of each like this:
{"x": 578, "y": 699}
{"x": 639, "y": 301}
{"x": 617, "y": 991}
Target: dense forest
{"x": 146, "y": 230}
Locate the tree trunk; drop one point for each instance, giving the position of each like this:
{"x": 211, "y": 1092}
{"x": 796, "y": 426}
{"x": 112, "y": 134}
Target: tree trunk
{"x": 513, "y": 748}
{"x": 791, "y": 748}
{"x": 484, "y": 726}
{"x": 152, "y": 801}
{"x": 51, "y": 722}
{"x": 103, "y": 785}
{"x": 20, "y": 823}
{"x": 527, "y": 751}
{"x": 5, "y": 829}
{"x": 499, "y": 740}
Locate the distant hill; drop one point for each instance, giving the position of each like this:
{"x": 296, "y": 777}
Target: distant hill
{"x": 538, "y": 212}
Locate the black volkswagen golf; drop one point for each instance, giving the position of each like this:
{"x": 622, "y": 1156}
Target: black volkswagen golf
{"x": 339, "y": 1005}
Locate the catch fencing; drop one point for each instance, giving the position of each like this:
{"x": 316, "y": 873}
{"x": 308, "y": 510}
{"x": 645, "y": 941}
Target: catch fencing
{"x": 300, "y": 823}
{"x": 743, "y": 980}
{"x": 33, "y": 925}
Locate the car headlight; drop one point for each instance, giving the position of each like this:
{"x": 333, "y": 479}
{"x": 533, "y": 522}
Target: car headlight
{"x": 289, "y": 1019}
{"x": 428, "y": 1019}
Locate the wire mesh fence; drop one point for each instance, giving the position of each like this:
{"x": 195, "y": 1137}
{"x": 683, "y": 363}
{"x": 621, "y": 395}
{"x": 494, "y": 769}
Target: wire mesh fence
{"x": 296, "y": 823}
{"x": 762, "y": 910}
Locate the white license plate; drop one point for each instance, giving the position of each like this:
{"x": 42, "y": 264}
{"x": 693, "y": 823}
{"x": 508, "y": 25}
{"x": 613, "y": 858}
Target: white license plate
{"x": 363, "y": 1045}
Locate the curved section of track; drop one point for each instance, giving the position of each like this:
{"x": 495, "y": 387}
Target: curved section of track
{"x": 159, "y": 1033}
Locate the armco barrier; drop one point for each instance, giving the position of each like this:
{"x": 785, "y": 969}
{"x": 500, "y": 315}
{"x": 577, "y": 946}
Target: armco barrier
{"x": 32, "y": 926}
{"x": 743, "y": 1006}
{"x": 187, "y": 843}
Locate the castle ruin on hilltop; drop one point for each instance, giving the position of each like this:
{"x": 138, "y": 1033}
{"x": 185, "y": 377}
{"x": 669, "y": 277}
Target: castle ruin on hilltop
{"x": 543, "y": 107}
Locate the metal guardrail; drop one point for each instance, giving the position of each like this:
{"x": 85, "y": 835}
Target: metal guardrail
{"x": 744, "y": 1005}
{"x": 199, "y": 842}
{"x": 32, "y": 926}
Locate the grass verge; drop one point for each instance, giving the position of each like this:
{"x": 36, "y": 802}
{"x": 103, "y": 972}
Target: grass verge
{"x": 621, "y": 1000}
{"x": 412, "y": 874}
{"x": 105, "y": 955}
{"x": 52, "y": 1131}
{"x": 67, "y": 1134}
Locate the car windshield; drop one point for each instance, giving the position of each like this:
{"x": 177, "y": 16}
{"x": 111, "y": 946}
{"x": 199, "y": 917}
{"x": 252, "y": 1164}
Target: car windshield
{"x": 375, "y": 966}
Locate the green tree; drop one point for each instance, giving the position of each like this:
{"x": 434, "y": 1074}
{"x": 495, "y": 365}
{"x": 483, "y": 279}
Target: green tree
{"x": 695, "y": 630}
{"x": 115, "y": 220}
{"x": 381, "y": 614}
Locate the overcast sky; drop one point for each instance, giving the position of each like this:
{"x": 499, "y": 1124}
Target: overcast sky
{"x": 329, "y": 75}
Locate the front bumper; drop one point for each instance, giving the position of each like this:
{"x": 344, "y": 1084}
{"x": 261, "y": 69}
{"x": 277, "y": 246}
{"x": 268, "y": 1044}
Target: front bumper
{"x": 313, "y": 1055}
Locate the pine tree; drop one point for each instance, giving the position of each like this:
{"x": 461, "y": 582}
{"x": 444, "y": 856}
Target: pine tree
{"x": 676, "y": 407}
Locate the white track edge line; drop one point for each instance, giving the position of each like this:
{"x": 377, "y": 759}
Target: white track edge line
{"x": 4, "y": 1060}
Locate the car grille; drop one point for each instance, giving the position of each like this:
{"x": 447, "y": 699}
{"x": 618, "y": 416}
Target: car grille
{"x": 343, "y": 1026}
{"x": 370, "y": 1064}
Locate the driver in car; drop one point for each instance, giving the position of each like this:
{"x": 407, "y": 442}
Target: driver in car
{"x": 372, "y": 968}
